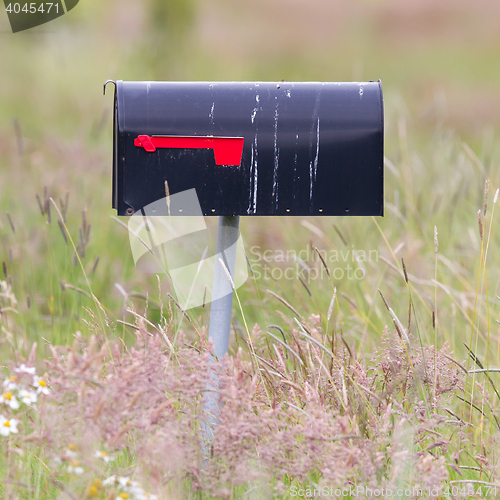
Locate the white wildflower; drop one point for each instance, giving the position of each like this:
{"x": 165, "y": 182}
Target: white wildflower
{"x": 130, "y": 489}
{"x": 104, "y": 456}
{"x": 110, "y": 481}
{"x": 41, "y": 385}
{"x": 8, "y": 426}
{"x": 123, "y": 482}
{"x": 144, "y": 495}
{"x": 10, "y": 384}
{"x": 135, "y": 489}
{"x": 26, "y": 369}
{"x": 28, "y": 397}
{"x": 75, "y": 468}
{"x": 9, "y": 399}
{"x": 70, "y": 451}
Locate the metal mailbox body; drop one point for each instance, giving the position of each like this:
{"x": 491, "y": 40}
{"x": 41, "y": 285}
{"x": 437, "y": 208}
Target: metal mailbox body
{"x": 250, "y": 148}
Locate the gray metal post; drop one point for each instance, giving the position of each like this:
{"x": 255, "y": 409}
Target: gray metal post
{"x": 222, "y": 291}
{"x": 220, "y": 313}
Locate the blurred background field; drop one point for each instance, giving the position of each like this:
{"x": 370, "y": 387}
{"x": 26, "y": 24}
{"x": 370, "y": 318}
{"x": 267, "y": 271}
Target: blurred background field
{"x": 439, "y": 66}
{"x": 438, "y": 62}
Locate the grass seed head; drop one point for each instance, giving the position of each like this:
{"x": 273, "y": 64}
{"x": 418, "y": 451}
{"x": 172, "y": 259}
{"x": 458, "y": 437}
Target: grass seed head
{"x": 404, "y": 270}
{"x": 486, "y": 192}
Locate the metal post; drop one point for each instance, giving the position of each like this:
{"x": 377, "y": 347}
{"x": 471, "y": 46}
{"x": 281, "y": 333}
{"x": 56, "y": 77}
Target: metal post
{"x": 220, "y": 314}
{"x": 222, "y": 291}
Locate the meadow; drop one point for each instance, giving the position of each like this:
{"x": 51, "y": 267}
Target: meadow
{"x": 364, "y": 352}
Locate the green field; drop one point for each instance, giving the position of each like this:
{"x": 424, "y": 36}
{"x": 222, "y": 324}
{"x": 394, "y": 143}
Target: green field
{"x": 330, "y": 397}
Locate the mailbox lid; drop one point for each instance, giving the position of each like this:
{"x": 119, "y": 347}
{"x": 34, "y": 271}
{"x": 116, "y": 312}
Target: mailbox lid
{"x": 308, "y": 148}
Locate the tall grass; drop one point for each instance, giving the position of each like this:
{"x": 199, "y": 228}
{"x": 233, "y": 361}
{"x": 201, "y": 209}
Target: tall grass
{"x": 336, "y": 385}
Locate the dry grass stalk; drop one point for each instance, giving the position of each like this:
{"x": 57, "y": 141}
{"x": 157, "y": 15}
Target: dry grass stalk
{"x": 283, "y": 301}
{"x": 11, "y": 223}
{"x": 332, "y": 303}
{"x": 303, "y": 283}
{"x": 322, "y": 261}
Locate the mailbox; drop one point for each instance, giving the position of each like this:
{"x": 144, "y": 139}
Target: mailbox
{"x": 260, "y": 148}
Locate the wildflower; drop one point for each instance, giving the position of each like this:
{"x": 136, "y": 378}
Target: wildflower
{"x": 8, "y": 426}
{"x": 93, "y": 491}
{"x": 132, "y": 488}
{"x": 71, "y": 450}
{"x": 25, "y": 369}
{"x": 95, "y": 488}
{"x": 9, "y": 399}
{"x": 145, "y": 496}
{"x": 10, "y": 384}
{"x": 28, "y": 397}
{"x": 104, "y": 456}
{"x": 41, "y": 385}
{"x": 75, "y": 468}
{"x": 122, "y": 496}
{"x": 123, "y": 482}
{"x": 111, "y": 480}
{"x": 135, "y": 488}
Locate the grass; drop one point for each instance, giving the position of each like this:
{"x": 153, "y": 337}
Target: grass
{"x": 318, "y": 356}
{"x": 440, "y": 296}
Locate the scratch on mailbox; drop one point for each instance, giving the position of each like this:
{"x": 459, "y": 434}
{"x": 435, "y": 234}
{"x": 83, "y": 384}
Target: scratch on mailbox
{"x": 310, "y": 181}
{"x": 317, "y": 151}
{"x": 254, "y": 111}
{"x": 255, "y": 176}
{"x": 211, "y": 115}
{"x": 254, "y": 158}
{"x": 251, "y": 169}
{"x": 313, "y": 164}
{"x": 276, "y": 156}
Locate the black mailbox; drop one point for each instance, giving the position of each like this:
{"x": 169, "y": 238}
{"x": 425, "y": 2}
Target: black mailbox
{"x": 250, "y": 148}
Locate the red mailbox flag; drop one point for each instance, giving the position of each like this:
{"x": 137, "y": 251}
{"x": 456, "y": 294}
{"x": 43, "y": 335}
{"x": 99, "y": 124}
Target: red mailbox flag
{"x": 227, "y": 150}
